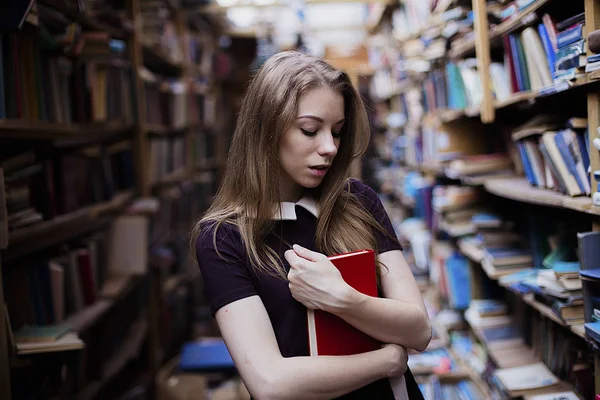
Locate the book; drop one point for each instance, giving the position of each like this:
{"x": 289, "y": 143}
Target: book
{"x": 36, "y": 334}
{"x": 206, "y": 354}
{"x": 555, "y": 396}
{"x": 329, "y": 334}
{"x": 526, "y": 377}
{"x": 67, "y": 342}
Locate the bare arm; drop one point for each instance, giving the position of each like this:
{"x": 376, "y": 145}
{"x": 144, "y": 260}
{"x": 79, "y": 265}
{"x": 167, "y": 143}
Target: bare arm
{"x": 247, "y": 331}
{"x": 399, "y": 318}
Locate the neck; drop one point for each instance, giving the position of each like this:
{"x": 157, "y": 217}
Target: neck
{"x": 290, "y": 191}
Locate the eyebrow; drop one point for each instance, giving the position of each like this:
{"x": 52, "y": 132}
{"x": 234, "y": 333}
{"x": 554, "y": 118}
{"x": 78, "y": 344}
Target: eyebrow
{"x": 320, "y": 119}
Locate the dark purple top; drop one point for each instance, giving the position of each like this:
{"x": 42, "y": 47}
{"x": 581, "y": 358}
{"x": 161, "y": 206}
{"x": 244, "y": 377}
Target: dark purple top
{"x": 232, "y": 279}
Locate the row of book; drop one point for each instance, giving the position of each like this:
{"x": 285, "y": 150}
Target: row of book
{"x": 88, "y": 82}
{"x": 545, "y": 53}
{"x": 49, "y": 290}
{"x": 175, "y": 104}
{"x": 39, "y": 187}
{"x": 160, "y": 29}
{"x": 167, "y": 157}
{"x": 555, "y": 154}
{"x": 525, "y": 354}
{"x": 204, "y": 145}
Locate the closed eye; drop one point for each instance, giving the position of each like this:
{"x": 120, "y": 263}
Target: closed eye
{"x": 308, "y": 133}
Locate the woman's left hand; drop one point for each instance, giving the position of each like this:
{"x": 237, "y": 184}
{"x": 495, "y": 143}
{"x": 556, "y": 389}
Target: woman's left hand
{"x": 314, "y": 281}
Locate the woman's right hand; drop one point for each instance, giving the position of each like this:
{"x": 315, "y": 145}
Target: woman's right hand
{"x": 398, "y": 360}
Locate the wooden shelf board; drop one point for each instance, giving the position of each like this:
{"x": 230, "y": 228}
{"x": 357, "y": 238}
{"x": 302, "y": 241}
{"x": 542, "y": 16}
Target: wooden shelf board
{"x": 115, "y": 287}
{"x": 173, "y": 282}
{"x": 38, "y": 130}
{"x": 520, "y": 190}
{"x": 63, "y": 227}
{"x": 515, "y": 98}
{"x": 543, "y": 309}
{"x": 207, "y": 165}
{"x": 462, "y": 49}
{"x": 479, "y": 180}
{"x": 516, "y": 21}
{"x": 159, "y": 56}
{"x": 163, "y": 130}
{"x": 81, "y": 320}
{"x": 470, "y": 251}
{"x": 90, "y": 21}
{"x": 171, "y": 179}
{"x": 579, "y": 330}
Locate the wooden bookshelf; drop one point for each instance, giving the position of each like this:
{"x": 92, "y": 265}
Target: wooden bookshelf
{"x": 517, "y": 21}
{"x": 421, "y": 89}
{"x": 111, "y": 137}
{"x": 156, "y": 58}
{"x": 520, "y": 190}
{"x": 128, "y": 350}
{"x": 32, "y": 130}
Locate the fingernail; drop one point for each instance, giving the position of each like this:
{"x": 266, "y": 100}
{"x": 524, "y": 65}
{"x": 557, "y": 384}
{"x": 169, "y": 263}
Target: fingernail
{"x": 297, "y": 247}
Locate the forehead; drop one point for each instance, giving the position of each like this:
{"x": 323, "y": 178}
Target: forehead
{"x": 322, "y": 102}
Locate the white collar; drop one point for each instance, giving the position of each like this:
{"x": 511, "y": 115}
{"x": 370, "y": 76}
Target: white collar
{"x": 287, "y": 209}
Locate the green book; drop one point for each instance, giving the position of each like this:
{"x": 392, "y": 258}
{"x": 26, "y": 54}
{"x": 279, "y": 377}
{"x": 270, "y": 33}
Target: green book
{"x": 36, "y": 333}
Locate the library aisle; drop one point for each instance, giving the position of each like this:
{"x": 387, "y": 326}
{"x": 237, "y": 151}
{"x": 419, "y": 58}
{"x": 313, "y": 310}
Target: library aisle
{"x": 115, "y": 123}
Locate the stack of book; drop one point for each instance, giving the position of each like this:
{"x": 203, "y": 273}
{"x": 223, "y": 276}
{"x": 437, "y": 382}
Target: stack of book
{"x": 453, "y": 208}
{"x": 486, "y": 164}
{"x": 45, "y": 339}
{"x": 555, "y": 154}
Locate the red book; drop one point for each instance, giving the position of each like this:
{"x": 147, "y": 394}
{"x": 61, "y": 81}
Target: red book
{"x": 87, "y": 276}
{"x": 330, "y": 335}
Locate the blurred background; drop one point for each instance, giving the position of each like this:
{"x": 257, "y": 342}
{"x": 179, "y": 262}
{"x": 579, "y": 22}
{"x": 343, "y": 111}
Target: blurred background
{"x": 115, "y": 123}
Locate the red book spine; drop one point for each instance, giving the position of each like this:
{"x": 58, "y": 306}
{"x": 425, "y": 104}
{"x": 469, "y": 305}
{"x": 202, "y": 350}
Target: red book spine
{"x": 87, "y": 276}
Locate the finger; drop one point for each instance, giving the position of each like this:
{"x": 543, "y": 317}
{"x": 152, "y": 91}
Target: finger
{"x": 307, "y": 254}
{"x": 293, "y": 259}
{"x": 290, "y": 256}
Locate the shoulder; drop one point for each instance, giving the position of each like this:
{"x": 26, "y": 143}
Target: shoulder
{"x": 217, "y": 235}
{"x": 363, "y": 192}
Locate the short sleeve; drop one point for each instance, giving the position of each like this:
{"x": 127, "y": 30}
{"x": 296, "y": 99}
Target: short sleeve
{"x": 225, "y": 274}
{"x": 370, "y": 200}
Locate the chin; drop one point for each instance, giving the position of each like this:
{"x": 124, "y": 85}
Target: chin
{"x": 311, "y": 183}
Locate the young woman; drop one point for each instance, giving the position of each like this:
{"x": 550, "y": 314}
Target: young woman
{"x": 284, "y": 205}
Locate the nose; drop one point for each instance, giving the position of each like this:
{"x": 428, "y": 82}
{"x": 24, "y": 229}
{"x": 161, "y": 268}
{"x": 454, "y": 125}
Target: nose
{"x": 327, "y": 145}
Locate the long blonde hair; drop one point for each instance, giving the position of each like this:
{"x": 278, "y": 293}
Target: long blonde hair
{"x": 249, "y": 193}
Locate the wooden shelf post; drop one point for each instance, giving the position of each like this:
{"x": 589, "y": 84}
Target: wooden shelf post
{"x": 141, "y": 143}
{"x": 4, "y": 351}
{"x": 592, "y": 22}
{"x": 482, "y": 50}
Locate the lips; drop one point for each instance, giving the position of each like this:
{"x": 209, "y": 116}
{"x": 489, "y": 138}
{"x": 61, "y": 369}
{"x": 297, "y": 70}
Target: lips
{"x": 319, "y": 170}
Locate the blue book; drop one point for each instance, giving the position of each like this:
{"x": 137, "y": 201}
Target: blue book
{"x": 593, "y": 58}
{"x": 459, "y": 281}
{"x": 548, "y": 49}
{"x": 206, "y": 355}
{"x": 514, "y": 50}
{"x": 567, "y": 157}
{"x": 590, "y": 274}
{"x": 592, "y": 329}
{"x": 583, "y": 148}
{"x": 569, "y": 36}
{"x": 526, "y": 164}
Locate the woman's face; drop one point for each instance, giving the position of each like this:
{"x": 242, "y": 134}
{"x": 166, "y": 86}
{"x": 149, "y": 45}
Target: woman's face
{"x": 308, "y": 148}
